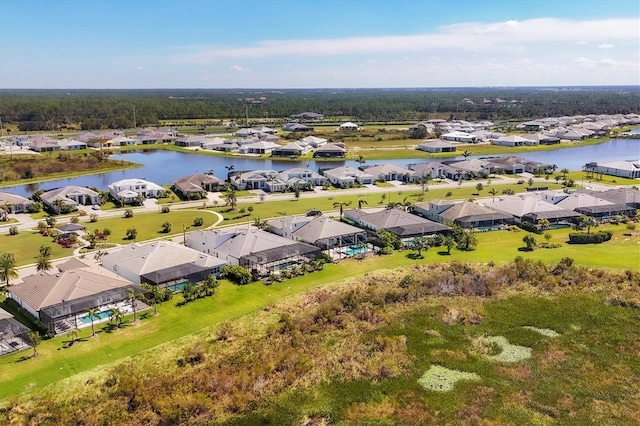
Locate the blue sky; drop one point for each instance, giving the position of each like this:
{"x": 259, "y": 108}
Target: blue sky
{"x": 311, "y": 43}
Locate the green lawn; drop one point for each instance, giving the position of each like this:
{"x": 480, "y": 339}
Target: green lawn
{"x": 55, "y": 363}
{"x": 25, "y": 245}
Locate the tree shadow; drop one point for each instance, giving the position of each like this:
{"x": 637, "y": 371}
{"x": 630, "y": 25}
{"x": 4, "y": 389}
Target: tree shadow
{"x": 444, "y": 253}
{"x": 525, "y": 249}
{"x": 414, "y": 256}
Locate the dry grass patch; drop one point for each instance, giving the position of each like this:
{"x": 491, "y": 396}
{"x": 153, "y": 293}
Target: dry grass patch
{"x": 441, "y": 379}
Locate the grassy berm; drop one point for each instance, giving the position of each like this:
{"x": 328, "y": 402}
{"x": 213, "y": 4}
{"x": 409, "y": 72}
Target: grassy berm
{"x": 356, "y": 353}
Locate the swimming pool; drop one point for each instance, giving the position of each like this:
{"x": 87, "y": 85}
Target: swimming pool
{"x": 101, "y": 315}
{"x": 178, "y": 286}
{"x": 353, "y": 250}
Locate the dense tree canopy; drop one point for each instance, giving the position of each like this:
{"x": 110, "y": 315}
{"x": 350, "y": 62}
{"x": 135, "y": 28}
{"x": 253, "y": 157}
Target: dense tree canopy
{"x": 94, "y": 109}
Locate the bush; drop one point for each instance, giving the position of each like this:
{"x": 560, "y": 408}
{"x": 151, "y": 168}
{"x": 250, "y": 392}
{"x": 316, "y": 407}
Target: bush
{"x": 128, "y": 213}
{"x": 165, "y": 209}
{"x": 198, "y": 221}
{"x": 13, "y": 230}
{"x": 237, "y": 274}
{"x": 589, "y": 238}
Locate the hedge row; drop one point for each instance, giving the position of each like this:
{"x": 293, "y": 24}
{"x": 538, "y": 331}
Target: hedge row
{"x": 589, "y": 238}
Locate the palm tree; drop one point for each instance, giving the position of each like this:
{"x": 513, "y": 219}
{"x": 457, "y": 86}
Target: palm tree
{"x": 544, "y": 224}
{"x": 341, "y": 204}
{"x": 564, "y": 172}
{"x": 493, "y": 193}
{"x": 449, "y": 242}
{"x": 43, "y": 263}
{"x": 92, "y": 313}
{"x": 116, "y": 314}
{"x": 406, "y": 204}
{"x": 229, "y": 168}
{"x": 423, "y": 181}
{"x": 530, "y": 241}
{"x": 466, "y": 154}
{"x": 361, "y": 202}
{"x": 468, "y": 241}
{"x": 132, "y": 298}
{"x": 132, "y": 233}
{"x": 508, "y": 191}
{"x": 361, "y": 160}
{"x": 8, "y": 269}
{"x": 230, "y": 197}
{"x": 420, "y": 244}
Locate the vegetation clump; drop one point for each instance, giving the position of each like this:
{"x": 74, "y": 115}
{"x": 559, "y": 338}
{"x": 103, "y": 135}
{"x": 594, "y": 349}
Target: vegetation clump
{"x": 441, "y": 379}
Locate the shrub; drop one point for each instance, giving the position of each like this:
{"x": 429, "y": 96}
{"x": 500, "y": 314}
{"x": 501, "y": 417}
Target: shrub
{"x": 449, "y": 194}
{"x": 198, "y": 221}
{"x": 75, "y": 219}
{"x": 128, "y": 213}
{"x": 93, "y": 217}
{"x": 13, "y": 230}
{"x": 590, "y": 238}
{"x": 237, "y": 274}
{"x": 165, "y": 209}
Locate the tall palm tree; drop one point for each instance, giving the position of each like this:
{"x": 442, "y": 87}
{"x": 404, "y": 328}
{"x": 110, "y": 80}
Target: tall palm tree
{"x": 230, "y": 197}
{"x": 45, "y": 250}
{"x": 229, "y": 168}
{"x": 361, "y": 202}
{"x": 132, "y": 298}
{"x": 92, "y": 313}
{"x": 468, "y": 241}
{"x": 8, "y": 269}
{"x": 361, "y": 160}
{"x": 449, "y": 242}
{"x": 420, "y": 244}
{"x": 341, "y": 204}
{"x": 493, "y": 193}
{"x": 116, "y": 315}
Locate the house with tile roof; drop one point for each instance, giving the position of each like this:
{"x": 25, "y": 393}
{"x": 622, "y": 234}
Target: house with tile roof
{"x": 128, "y": 190}
{"x": 259, "y": 251}
{"x": 14, "y": 203}
{"x": 59, "y": 299}
{"x": 196, "y": 186}
{"x": 162, "y": 263}
{"x": 331, "y": 150}
{"x": 403, "y": 224}
{"x": 465, "y": 214}
{"x": 71, "y": 197}
{"x": 388, "y": 172}
{"x": 347, "y": 176}
{"x": 436, "y": 145}
{"x": 623, "y": 168}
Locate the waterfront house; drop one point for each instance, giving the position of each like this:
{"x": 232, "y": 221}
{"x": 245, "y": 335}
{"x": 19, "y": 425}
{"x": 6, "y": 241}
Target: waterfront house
{"x": 436, "y": 145}
{"x": 331, "y": 150}
{"x": 128, "y": 190}
{"x": 347, "y": 176}
{"x": 13, "y": 203}
{"x": 69, "y": 197}
{"x": 292, "y": 149}
{"x": 267, "y": 180}
{"x": 197, "y": 185}
{"x": 624, "y": 168}
{"x": 388, "y": 172}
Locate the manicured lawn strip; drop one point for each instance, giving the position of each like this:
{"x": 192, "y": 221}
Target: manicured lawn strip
{"x": 25, "y": 245}
{"x": 580, "y": 178}
{"x": 149, "y": 225}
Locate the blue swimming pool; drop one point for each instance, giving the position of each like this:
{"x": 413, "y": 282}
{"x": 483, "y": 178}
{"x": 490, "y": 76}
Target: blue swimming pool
{"x": 353, "y": 250}
{"x": 101, "y": 315}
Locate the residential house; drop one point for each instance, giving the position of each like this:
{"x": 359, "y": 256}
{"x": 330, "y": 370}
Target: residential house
{"x": 465, "y": 214}
{"x": 261, "y": 252}
{"x": 14, "y": 203}
{"x": 41, "y": 143}
{"x": 122, "y": 141}
{"x": 14, "y": 336}
{"x": 532, "y": 209}
{"x": 433, "y": 169}
{"x": 292, "y": 149}
{"x": 331, "y": 150}
{"x": 314, "y": 141}
{"x": 297, "y": 127}
{"x": 327, "y": 234}
{"x": 60, "y": 299}
{"x": 593, "y": 206}
{"x": 623, "y": 168}
{"x": 516, "y": 165}
{"x": 349, "y": 127}
{"x": 308, "y": 116}
{"x": 629, "y": 197}
{"x": 302, "y": 175}
{"x": 71, "y": 144}
{"x": 197, "y": 185}
{"x": 260, "y": 147}
{"x": 388, "y": 172}
{"x": 457, "y": 136}
{"x": 436, "y": 145}
{"x": 162, "y": 263}
{"x": 190, "y": 141}
{"x": 403, "y": 224}
{"x": 513, "y": 140}
{"x": 347, "y": 176}
{"x": 71, "y": 197}
{"x": 267, "y": 180}
{"x": 129, "y": 190}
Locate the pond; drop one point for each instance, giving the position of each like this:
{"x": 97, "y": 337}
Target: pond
{"x": 163, "y": 167}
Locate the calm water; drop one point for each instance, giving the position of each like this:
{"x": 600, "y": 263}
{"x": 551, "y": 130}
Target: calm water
{"x": 163, "y": 167}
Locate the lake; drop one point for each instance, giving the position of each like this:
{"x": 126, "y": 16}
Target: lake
{"x": 163, "y": 167}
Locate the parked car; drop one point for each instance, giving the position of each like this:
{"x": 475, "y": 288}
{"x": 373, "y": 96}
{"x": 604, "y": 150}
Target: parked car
{"x": 96, "y": 207}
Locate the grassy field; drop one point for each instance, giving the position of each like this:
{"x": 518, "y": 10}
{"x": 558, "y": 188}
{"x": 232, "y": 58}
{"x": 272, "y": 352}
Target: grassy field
{"x": 25, "y": 245}
{"x": 55, "y": 362}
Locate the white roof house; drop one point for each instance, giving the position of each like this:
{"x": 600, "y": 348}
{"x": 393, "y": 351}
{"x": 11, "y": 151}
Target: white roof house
{"x": 391, "y": 171}
{"x": 348, "y": 175}
{"x": 349, "y": 126}
{"x": 436, "y": 145}
{"x": 457, "y": 136}
{"x": 623, "y": 168}
{"x": 70, "y": 196}
{"x": 126, "y": 188}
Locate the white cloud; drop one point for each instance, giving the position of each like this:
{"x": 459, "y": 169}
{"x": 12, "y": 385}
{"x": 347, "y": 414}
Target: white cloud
{"x": 475, "y": 37}
{"x": 606, "y": 46}
{"x": 238, "y": 68}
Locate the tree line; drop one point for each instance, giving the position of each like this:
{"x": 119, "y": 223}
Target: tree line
{"x": 54, "y": 110}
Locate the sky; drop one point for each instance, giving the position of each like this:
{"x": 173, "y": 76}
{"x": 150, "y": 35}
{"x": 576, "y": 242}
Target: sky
{"x": 138, "y": 44}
